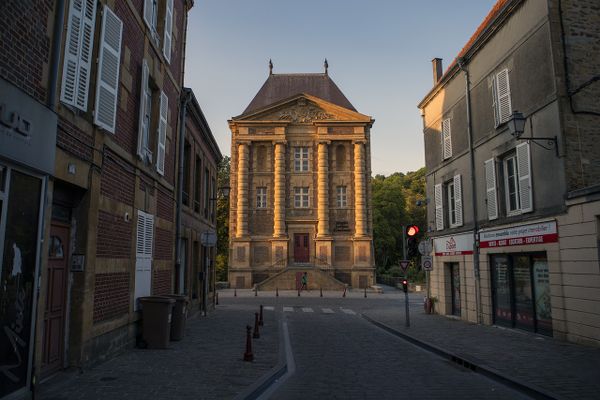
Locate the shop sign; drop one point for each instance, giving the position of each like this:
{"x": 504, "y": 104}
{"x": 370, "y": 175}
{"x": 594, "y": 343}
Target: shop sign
{"x": 544, "y": 232}
{"x": 454, "y": 245}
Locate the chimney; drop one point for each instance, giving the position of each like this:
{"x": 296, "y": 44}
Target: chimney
{"x": 437, "y": 70}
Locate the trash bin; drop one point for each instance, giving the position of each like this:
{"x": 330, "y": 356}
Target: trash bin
{"x": 157, "y": 312}
{"x": 179, "y": 316}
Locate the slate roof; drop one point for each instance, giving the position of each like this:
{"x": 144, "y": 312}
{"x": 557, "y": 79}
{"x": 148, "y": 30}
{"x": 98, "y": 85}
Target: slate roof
{"x": 282, "y": 86}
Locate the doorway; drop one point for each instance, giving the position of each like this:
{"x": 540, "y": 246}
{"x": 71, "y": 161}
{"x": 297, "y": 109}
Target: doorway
{"x": 454, "y": 270}
{"x": 301, "y": 249}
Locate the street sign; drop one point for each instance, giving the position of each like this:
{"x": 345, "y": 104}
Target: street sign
{"x": 427, "y": 263}
{"x": 208, "y": 238}
{"x": 425, "y": 247}
{"x": 404, "y": 265}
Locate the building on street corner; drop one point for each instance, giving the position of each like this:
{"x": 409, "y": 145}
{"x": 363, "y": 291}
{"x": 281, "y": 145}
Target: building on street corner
{"x": 511, "y": 134}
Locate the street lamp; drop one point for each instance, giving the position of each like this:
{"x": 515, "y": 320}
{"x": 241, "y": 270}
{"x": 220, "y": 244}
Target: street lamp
{"x": 516, "y": 126}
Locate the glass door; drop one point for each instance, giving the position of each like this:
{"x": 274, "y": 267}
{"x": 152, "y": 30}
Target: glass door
{"x": 541, "y": 289}
{"x": 455, "y": 287}
{"x": 501, "y": 293}
{"x": 523, "y": 293}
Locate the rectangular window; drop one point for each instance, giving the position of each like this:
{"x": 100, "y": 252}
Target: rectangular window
{"x": 261, "y": 197}
{"x": 341, "y": 197}
{"x": 301, "y": 197}
{"x": 511, "y": 185}
{"x": 301, "y": 159}
{"x": 187, "y": 150}
{"x": 197, "y": 183}
{"x": 451, "y": 204}
{"x": 517, "y": 181}
{"x": 206, "y": 192}
{"x": 151, "y": 17}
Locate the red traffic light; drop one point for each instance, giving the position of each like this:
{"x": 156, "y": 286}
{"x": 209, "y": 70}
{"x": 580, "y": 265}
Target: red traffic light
{"x": 412, "y": 230}
{"x": 404, "y": 282}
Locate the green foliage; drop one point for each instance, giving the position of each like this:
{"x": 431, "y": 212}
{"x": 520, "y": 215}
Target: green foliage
{"x": 223, "y": 221}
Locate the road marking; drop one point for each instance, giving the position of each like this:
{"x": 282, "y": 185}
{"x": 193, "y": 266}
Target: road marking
{"x": 288, "y": 309}
{"x": 269, "y": 308}
{"x": 307, "y": 309}
{"x": 348, "y": 311}
{"x": 327, "y": 311}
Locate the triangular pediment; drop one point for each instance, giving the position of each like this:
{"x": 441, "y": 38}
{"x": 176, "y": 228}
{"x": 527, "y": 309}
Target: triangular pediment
{"x": 302, "y": 109}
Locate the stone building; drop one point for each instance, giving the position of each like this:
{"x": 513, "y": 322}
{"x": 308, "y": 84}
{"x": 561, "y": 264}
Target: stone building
{"x": 300, "y": 190}
{"x": 514, "y": 207}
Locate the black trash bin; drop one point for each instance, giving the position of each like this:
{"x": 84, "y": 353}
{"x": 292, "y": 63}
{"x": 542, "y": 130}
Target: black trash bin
{"x": 157, "y": 312}
{"x": 179, "y": 316}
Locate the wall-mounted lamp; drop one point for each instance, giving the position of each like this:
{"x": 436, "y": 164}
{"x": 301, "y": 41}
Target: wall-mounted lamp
{"x": 516, "y": 126}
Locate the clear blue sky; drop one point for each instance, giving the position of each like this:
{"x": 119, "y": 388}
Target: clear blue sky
{"x": 379, "y": 54}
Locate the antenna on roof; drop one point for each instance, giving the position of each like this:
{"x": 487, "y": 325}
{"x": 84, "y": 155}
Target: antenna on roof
{"x": 270, "y": 67}
{"x": 326, "y": 65}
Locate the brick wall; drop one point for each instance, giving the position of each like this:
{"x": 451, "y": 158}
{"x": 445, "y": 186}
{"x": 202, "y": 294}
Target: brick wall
{"x": 164, "y": 205}
{"x": 117, "y": 179}
{"x": 114, "y": 236}
{"x": 25, "y": 44}
{"x": 73, "y": 140}
{"x": 163, "y": 244}
{"x": 111, "y": 295}
{"x": 161, "y": 282}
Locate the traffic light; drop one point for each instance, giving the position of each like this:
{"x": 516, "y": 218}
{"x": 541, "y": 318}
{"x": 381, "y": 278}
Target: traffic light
{"x": 412, "y": 246}
{"x": 405, "y": 285}
{"x": 412, "y": 230}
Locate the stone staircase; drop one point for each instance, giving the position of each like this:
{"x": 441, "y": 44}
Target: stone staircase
{"x": 286, "y": 279}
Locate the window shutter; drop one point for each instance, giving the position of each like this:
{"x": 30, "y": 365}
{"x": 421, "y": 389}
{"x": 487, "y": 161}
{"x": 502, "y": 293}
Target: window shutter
{"x": 458, "y": 200}
{"x": 141, "y": 233}
{"x": 162, "y": 133}
{"x": 446, "y": 139}
{"x": 143, "y": 105}
{"x": 148, "y": 12}
{"x": 439, "y": 207}
{"x": 78, "y": 53}
{"x": 495, "y": 102}
{"x": 168, "y": 31}
{"x": 149, "y": 236}
{"x": 490, "y": 186}
{"x": 108, "y": 71}
{"x": 504, "y": 102}
{"x": 524, "y": 172}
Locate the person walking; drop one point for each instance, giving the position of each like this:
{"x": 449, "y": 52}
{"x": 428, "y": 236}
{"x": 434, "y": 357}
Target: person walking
{"x": 304, "y": 282}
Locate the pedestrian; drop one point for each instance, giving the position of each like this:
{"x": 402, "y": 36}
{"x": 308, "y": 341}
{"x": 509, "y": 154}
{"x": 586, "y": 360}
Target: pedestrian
{"x": 304, "y": 282}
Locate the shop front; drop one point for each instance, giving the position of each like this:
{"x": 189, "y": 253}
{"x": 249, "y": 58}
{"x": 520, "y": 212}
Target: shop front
{"x": 520, "y": 278}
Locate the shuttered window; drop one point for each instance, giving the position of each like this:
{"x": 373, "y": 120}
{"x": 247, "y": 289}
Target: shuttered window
{"x": 524, "y": 175}
{"x": 79, "y": 45}
{"x": 446, "y": 139}
{"x": 458, "y": 208}
{"x": 168, "y": 31}
{"x": 144, "y": 118}
{"x": 162, "y": 133}
{"x": 108, "y": 71}
{"x": 143, "y": 253}
{"x": 491, "y": 191}
{"x": 439, "y": 207}
{"x": 501, "y": 97}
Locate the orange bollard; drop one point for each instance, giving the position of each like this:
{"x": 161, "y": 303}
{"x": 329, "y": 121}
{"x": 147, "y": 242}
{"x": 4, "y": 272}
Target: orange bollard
{"x": 256, "y": 333}
{"x": 260, "y": 319}
{"x": 248, "y": 356}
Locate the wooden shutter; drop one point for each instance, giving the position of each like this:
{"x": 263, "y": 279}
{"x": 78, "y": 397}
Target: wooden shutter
{"x": 458, "y": 200}
{"x": 490, "y": 186}
{"x": 503, "y": 89}
{"x": 168, "y": 31}
{"x": 78, "y": 53}
{"x": 495, "y": 102}
{"x": 439, "y": 207}
{"x": 162, "y": 133}
{"x": 446, "y": 139}
{"x": 107, "y": 90}
{"x": 148, "y": 13}
{"x": 524, "y": 172}
{"x": 143, "y": 105}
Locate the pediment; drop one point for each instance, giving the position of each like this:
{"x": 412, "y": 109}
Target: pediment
{"x": 304, "y": 109}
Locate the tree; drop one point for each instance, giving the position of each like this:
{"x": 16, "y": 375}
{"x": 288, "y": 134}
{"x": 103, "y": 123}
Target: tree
{"x": 222, "y": 259}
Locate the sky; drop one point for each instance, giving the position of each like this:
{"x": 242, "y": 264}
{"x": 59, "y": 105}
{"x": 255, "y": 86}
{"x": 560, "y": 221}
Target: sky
{"x": 379, "y": 54}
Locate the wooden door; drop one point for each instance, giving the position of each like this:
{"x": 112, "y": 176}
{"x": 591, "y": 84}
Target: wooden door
{"x": 56, "y": 290}
{"x": 301, "y": 252}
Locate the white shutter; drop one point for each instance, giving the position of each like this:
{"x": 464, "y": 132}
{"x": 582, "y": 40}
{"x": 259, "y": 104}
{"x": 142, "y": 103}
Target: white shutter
{"x": 524, "y": 172}
{"x": 504, "y": 102}
{"x": 162, "y": 133}
{"x": 446, "y": 139}
{"x": 78, "y": 53}
{"x": 490, "y": 186}
{"x": 143, "y": 250}
{"x": 140, "y": 234}
{"x": 495, "y": 102}
{"x": 108, "y": 71}
{"x": 148, "y": 13}
{"x": 143, "y": 105}
{"x": 149, "y": 236}
{"x": 439, "y": 207}
{"x": 168, "y": 31}
{"x": 458, "y": 200}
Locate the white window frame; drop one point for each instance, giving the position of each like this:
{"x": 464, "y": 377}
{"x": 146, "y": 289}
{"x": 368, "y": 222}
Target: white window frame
{"x": 301, "y": 197}
{"x": 342, "y": 196}
{"x": 450, "y": 200}
{"x": 512, "y": 157}
{"x": 261, "y": 197}
{"x": 301, "y": 157}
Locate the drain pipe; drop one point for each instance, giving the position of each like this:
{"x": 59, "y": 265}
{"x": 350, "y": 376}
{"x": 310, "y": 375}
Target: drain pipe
{"x": 59, "y": 19}
{"x": 462, "y": 66}
{"x": 186, "y": 97}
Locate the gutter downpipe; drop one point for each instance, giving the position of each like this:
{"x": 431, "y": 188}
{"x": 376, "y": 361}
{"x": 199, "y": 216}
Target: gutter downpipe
{"x": 186, "y": 97}
{"x": 462, "y": 66}
{"x": 59, "y": 19}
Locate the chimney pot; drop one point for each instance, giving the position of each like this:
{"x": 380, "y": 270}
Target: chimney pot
{"x": 437, "y": 70}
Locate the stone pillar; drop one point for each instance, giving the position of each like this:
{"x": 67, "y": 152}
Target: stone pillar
{"x": 279, "y": 193}
{"x": 242, "y": 190}
{"x": 323, "y": 193}
{"x": 360, "y": 195}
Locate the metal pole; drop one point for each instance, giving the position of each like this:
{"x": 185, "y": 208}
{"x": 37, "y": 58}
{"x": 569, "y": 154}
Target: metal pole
{"x": 403, "y": 242}
{"x": 406, "y": 308}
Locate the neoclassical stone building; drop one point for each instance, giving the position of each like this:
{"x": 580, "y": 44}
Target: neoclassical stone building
{"x": 300, "y": 188}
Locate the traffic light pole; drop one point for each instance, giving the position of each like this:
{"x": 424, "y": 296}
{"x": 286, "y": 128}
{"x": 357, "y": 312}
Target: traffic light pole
{"x": 406, "y": 311}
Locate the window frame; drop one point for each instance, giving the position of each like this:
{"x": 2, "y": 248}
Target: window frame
{"x": 451, "y": 202}
{"x": 261, "y": 197}
{"x": 301, "y": 197}
{"x": 301, "y": 159}
{"x": 342, "y": 196}
{"x": 515, "y": 177}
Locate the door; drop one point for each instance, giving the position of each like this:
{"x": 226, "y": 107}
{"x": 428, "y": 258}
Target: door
{"x": 56, "y": 290}
{"x": 523, "y": 293}
{"x": 501, "y": 294}
{"x": 301, "y": 252}
{"x": 455, "y": 288}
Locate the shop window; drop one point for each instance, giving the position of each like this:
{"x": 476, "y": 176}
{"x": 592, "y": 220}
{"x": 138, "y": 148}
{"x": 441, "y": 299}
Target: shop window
{"x": 301, "y": 197}
{"x": 301, "y": 159}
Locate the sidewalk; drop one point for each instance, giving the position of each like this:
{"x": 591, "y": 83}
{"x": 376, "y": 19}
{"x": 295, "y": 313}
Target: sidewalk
{"x": 206, "y": 364}
{"x": 564, "y": 370}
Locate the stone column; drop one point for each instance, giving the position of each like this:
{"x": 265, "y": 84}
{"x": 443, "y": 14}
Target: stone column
{"x": 242, "y": 189}
{"x": 360, "y": 186}
{"x": 279, "y": 193}
{"x": 323, "y": 193}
